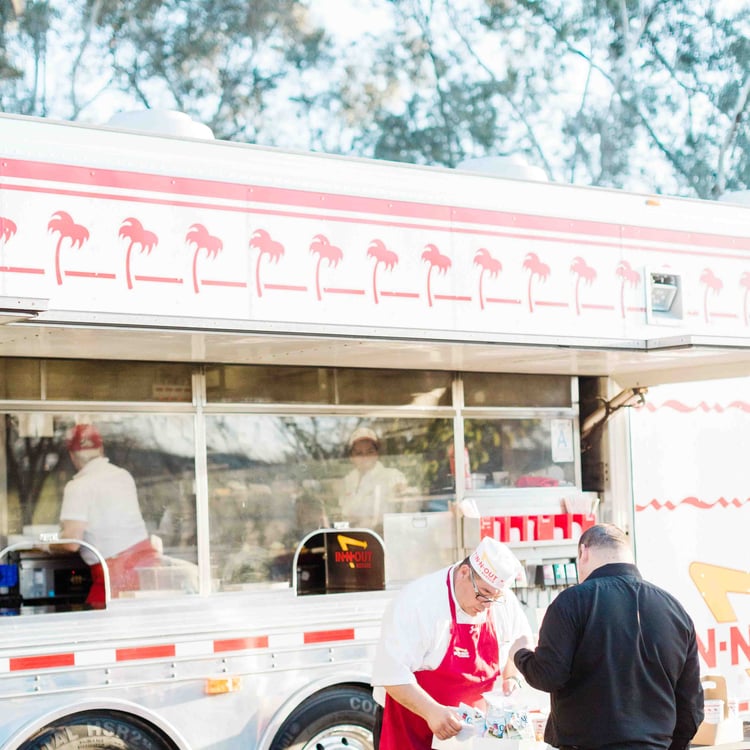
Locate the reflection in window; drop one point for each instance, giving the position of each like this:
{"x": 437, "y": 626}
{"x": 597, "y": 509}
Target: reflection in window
{"x": 393, "y": 387}
{"x": 20, "y": 378}
{"x": 516, "y": 390}
{"x": 325, "y": 385}
{"x": 274, "y": 479}
{"x": 92, "y": 380}
{"x": 156, "y": 450}
{"x": 532, "y": 452}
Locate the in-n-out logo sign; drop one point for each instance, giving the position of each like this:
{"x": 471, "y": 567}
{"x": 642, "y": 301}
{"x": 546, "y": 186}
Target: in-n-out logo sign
{"x": 714, "y": 584}
{"x": 360, "y": 557}
{"x": 723, "y": 640}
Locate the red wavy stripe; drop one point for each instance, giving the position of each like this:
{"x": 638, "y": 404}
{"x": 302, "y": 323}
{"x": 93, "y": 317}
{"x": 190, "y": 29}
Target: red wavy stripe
{"x": 702, "y": 406}
{"x": 694, "y": 502}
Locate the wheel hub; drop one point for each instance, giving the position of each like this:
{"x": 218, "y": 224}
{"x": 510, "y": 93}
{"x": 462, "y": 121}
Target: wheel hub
{"x": 341, "y": 737}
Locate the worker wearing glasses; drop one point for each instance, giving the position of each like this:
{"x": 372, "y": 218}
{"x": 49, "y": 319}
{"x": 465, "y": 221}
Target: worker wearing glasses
{"x": 445, "y": 640}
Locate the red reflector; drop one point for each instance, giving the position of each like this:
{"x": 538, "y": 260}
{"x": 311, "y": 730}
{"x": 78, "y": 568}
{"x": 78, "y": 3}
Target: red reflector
{"x": 241, "y": 644}
{"x": 45, "y": 661}
{"x": 145, "y": 652}
{"x": 323, "y": 636}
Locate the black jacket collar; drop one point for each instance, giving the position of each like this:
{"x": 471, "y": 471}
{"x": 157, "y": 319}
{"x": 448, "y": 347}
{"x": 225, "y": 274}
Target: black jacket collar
{"x": 615, "y": 569}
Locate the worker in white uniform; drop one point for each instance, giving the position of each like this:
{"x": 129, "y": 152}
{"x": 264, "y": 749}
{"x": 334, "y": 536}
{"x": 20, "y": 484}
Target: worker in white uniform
{"x": 445, "y": 640}
{"x": 369, "y": 488}
{"x": 100, "y": 506}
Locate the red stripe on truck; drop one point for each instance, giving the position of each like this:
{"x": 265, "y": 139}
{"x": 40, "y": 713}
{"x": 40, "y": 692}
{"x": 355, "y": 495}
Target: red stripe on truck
{"x": 43, "y": 661}
{"x": 168, "y": 650}
{"x": 145, "y": 652}
{"x": 391, "y": 210}
{"x": 240, "y": 644}
{"x": 323, "y": 636}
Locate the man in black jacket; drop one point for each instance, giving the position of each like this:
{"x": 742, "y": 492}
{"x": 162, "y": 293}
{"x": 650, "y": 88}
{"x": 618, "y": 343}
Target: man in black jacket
{"x": 618, "y": 656}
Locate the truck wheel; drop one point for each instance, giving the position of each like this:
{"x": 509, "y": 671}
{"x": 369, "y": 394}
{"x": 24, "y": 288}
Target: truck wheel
{"x": 103, "y": 730}
{"x": 340, "y": 718}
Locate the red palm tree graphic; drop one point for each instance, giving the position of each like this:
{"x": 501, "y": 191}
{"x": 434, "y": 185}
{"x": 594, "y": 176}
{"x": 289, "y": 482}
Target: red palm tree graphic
{"x": 626, "y": 275}
{"x": 489, "y": 265}
{"x": 436, "y": 259}
{"x": 266, "y": 245}
{"x": 198, "y": 235}
{"x": 383, "y": 256}
{"x": 325, "y": 251}
{"x": 713, "y": 284}
{"x": 133, "y": 230}
{"x": 7, "y": 229}
{"x": 62, "y": 223}
{"x": 535, "y": 267}
{"x": 585, "y": 273}
{"x": 745, "y": 282}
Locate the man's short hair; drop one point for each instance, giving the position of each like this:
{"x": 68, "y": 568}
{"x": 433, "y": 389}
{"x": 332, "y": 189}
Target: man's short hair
{"x": 605, "y": 535}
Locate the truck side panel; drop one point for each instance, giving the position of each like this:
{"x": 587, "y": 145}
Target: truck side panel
{"x": 692, "y": 513}
{"x": 232, "y": 232}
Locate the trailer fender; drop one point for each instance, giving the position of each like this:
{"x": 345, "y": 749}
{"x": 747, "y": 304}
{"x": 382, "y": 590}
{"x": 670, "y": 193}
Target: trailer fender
{"x": 341, "y": 717}
{"x": 118, "y": 726}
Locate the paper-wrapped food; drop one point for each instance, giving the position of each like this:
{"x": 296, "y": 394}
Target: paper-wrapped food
{"x": 506, "y": 720}
{"x": 473, "y": 720}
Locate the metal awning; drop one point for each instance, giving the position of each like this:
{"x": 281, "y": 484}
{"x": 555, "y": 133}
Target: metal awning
{"x": 631, "y": 362}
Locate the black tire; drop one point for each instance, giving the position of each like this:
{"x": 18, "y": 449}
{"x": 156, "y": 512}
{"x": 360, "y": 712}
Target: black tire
{"x": 340, "y": 718}
{"x": 99, "y": 730}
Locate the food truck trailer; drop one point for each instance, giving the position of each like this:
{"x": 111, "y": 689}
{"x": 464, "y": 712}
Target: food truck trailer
{"x": 226, "y": 316}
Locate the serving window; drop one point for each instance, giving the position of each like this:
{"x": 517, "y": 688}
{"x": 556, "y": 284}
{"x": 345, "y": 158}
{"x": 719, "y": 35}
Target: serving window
{"x": 521, "y": 452}
{"x": 280, "y": 456}
{"x": 156, "y": 450}
{"x": 272, "y": 479}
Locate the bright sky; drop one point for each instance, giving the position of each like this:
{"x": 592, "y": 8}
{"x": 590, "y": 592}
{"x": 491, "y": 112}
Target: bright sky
{"x": 350, "y": 18}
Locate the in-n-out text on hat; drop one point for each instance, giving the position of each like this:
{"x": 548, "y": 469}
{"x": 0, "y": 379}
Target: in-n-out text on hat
{"x": 495, "y": 563}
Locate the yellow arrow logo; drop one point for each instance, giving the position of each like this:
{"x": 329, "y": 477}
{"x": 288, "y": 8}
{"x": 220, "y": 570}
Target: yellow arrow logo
{"x": 714, "y": 583}
{"x": 346, "y": 541}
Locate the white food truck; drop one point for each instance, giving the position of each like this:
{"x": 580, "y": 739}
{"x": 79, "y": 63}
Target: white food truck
{"x": 226, "y": 316}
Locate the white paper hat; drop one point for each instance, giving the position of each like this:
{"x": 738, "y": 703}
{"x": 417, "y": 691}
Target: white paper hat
{"x": 494, "y": 563}
{"x": 363, "y": 433}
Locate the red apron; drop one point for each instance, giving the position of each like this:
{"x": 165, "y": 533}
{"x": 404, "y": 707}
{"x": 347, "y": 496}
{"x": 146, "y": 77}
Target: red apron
{"x": 123, "y": 575}
{"x": 469, "y": 668}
